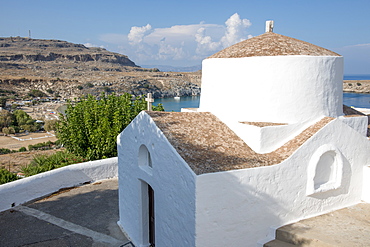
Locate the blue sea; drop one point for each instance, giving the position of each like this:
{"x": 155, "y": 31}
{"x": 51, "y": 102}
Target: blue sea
{"x": 350, "y": 99}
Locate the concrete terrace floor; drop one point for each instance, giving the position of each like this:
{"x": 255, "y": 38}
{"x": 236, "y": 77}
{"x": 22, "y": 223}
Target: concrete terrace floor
{"x": 80, "y": 216}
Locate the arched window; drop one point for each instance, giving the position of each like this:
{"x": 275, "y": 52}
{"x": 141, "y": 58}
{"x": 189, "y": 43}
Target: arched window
{"x": 324, "y": 170}
{"x": 144, "y": 157}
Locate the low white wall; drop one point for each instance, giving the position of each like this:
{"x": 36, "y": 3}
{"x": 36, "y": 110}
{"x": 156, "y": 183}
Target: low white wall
{"x": 27, "y": 189}
{"x": 272, "y": 89}
{"x": 238, "y": 208}
{"x": 170, "y": 177}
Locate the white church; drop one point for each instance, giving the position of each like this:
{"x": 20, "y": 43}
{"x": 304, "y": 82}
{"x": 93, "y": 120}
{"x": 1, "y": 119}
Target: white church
{"x": 269, "y": 145}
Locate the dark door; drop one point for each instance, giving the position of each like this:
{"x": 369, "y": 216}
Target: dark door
{"x": 151, "y": 217}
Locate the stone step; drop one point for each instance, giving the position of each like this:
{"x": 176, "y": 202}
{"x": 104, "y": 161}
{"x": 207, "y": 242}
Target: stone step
{"x": 295, "y": 236}
{"x": 345, "y": 227}
{"x": 278, "y": 243}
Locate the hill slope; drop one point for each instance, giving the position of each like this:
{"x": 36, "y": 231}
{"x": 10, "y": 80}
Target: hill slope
{"x": 63, "y": 69}
{"x": 35, "y": 50}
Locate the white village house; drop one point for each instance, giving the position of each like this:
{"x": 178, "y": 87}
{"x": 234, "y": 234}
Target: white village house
{"x": 269, "y": 145}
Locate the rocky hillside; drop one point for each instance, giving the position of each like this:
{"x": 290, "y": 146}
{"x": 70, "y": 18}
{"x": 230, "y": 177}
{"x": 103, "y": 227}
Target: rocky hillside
{"x": 63, "y": 69}
{"x": 40, "y": 50}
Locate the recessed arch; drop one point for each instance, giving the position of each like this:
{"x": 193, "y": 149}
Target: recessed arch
{"x": 324, "y": 170}
{"x": 144, "y": 159}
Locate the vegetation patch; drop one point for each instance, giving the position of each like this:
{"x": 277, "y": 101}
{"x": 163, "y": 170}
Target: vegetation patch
{"x": 90, "y": 127}
{"x": 43, "y": 163}
{"x": 7, "y": 176}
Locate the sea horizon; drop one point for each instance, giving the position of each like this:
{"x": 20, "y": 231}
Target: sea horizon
{"x": 357, "y": 100}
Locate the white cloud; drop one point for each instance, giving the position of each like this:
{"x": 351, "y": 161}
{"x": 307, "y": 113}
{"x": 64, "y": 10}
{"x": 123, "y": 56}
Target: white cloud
{"x": 236, "y": 30}
{"x": 137, "y": 34}
{"x": 186, "y": 43}
{"x": 93, "y": 45}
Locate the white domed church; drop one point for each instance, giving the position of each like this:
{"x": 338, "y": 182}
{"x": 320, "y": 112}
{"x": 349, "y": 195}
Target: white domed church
{"x": 268, "y": 146}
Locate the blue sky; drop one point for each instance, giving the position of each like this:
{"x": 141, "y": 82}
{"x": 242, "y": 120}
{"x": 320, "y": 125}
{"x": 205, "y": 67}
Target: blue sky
{"x": 182, "y": 33}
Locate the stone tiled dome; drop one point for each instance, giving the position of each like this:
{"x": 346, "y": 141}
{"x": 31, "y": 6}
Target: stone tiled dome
{"x": 272, "y": 44}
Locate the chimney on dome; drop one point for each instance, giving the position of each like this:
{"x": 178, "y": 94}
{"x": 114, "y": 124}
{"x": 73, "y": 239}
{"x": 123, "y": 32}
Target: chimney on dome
{"x": 269, "y": 26}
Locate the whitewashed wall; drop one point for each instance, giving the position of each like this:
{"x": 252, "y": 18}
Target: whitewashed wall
{"x": 238, "y": 208}
{"x": 46, "y": 183}
{"x": 172, "y": 180}
{"x": 269, "y": 138}
{"x": 272, "y": 89}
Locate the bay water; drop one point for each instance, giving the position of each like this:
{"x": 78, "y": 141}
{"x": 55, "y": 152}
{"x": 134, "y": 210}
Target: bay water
{"x": 360, "y": 100}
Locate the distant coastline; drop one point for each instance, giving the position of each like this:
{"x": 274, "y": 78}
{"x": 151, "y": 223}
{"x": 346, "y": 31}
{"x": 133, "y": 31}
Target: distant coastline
{"x": 356, "y": 77}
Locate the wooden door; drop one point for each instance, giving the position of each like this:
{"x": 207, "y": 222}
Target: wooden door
{"x": 151, "y": 216}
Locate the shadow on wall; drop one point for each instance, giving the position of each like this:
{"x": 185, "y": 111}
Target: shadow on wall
{"x": 240, "y": 214}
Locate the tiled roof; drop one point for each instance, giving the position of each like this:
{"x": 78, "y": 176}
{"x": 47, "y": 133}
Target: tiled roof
{"x": 272, "y": 44}
{"x": 208, "y": 145}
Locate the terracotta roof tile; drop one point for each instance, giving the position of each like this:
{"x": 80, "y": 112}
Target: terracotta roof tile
{"x": 208, "y": 145}
{"x": 272, "y": 44}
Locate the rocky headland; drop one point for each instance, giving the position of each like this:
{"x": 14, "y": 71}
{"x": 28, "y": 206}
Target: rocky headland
{"x": 356, "y": 86}
{"x": 66, "y": 70}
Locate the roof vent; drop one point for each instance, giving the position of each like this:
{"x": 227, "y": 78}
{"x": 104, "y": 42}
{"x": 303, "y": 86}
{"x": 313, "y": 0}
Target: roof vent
{"x": 269, "y": 26}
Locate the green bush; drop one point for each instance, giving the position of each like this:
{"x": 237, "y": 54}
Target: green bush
{"x": 6, "y": 176}
{"x": 36, "y": 93}
{"x": 42, "y": 163}
{"x": 90, "y": 127}
{"x": 22, "y": 149}
{"x": 42, "y": 146}
{"x": 5, "y": 151}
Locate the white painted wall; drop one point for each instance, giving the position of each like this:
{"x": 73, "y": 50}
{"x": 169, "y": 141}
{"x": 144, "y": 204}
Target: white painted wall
{"x": 358, "y": 123}
{"x": 269, "y": 138}
{"x": 272, "y": 89}
{"x": 366, "y": 185}
{"x": 46, "y": 183}
{"x": 172, "y": 180}
{"x": 238, "y": 208}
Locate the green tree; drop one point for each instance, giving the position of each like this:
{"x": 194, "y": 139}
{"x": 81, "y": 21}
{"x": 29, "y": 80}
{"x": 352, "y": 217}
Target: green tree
{"x": 90, "y": 127}
{"x": 6, "y": 118}
{"x": 24, "y": 121}
{"x": 22, "y": 118}
{"x": 50, "y": 125}
{"x": 8, "y": 130}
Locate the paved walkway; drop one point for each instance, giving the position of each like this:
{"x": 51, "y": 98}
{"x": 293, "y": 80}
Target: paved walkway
{"x": 82, "y": 216}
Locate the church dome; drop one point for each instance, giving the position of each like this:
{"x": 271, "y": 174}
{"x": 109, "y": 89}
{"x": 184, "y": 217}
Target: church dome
{"x": 273, "y": 78}
{"x": 272, "y": 44}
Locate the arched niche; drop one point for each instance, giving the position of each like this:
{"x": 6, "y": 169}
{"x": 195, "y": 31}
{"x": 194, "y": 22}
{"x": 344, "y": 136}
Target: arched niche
{"x": 144, "y": 157}
{"x": 325, "y": 170}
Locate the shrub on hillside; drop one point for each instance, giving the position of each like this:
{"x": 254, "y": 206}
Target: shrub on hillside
{"x": 5, "y": 151}
{"x": 6, "y": 176}
{"x": 42, "y": 163}
{"x": 43, "y": 146}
